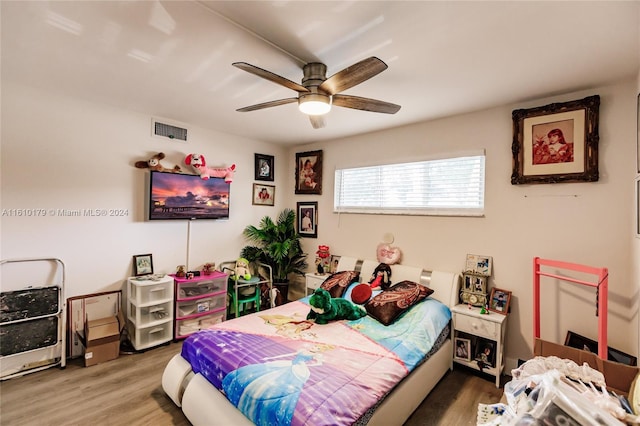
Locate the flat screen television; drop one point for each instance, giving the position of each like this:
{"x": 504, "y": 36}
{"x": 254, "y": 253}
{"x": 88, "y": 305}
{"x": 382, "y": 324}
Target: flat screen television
{"x": 177, "y": 196}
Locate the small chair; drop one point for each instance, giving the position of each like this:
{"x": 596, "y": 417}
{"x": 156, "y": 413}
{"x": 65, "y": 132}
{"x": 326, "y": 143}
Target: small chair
{"x": 242, "y": 292}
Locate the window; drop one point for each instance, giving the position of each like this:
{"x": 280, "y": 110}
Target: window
{"x": 440, "y": 187}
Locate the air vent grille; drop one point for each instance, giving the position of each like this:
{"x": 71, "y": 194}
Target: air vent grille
{"x": 169, "y": 131}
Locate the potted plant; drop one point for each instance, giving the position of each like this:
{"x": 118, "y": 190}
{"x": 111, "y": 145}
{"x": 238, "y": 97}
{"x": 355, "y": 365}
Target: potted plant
{"x": 277, "y": 244}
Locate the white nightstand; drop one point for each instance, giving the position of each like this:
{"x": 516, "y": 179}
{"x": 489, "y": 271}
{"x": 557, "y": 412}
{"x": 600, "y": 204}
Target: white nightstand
{"x": 480, "y": 331}
{"x": 313, "y": 281}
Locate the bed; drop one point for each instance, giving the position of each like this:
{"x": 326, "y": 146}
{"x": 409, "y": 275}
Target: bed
{"x": 358, "y": 372}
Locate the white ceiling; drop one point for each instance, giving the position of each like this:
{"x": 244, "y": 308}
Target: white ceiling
{"x": 172, "y": 59}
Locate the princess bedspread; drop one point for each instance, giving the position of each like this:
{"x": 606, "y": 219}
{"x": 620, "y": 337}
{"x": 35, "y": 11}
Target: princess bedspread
{"x": 280, "y": 369}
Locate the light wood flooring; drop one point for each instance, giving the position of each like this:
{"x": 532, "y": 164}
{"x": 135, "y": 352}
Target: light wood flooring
{"x": 128, "y": 391}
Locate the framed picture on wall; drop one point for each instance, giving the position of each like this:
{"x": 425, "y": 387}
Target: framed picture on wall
{"x": 309, "y": 172}
{"x": 264, "y": 165}
{"x": 142, "y": 264}
{"x": 556, "y": 142}
{"x": 307, "y": 214}
{"x": 263, "y": 195}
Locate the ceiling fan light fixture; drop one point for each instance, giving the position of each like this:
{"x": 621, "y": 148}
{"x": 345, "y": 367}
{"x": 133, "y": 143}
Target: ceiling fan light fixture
{"x": 314, "y": 104}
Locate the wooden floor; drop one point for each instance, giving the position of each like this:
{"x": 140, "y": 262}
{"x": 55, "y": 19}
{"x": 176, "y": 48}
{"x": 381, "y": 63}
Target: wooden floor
{"x": 128, "y": 391}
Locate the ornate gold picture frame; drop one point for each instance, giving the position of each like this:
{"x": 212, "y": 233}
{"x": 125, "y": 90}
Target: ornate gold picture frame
{"x": 556, "y": 142}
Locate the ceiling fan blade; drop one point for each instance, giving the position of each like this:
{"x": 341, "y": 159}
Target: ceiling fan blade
{"x": 353, "y": 75}
{"x": 317, "y": 121}
{"x": 268, "y": 104}
{"x": 268, "y": 75}
{"x": 365, "y": 104}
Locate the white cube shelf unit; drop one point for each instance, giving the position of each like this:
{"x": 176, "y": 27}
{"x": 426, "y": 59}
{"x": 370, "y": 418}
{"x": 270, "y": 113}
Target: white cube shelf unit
{"x": 149, "y": 311}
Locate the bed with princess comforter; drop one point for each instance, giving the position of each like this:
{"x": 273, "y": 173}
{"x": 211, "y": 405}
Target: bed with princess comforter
{"x": 275, "y": 367}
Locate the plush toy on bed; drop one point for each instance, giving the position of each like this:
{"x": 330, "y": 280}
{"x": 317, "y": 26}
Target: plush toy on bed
{"x": 381, "y": 277}
{"x": 361, "y": 294}
{"x": 324, "y": 308}
{"x": 199, "y": 165}
{"x": 154, "y": 164}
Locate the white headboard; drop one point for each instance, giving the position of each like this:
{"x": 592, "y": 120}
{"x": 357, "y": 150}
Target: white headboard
{"x": 445, "y": 285}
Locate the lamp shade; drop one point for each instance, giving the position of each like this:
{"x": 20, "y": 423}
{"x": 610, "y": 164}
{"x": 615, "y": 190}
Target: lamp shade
{"x": 314, "y": 104}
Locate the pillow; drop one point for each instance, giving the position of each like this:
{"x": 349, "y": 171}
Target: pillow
{"x": 337, "y": 283}
{"x": 347, "y": 294}
{"x": 361, "y": 293}
{"x": 387, "y": 306}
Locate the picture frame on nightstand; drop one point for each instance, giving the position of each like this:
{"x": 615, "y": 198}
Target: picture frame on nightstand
{"x": 142, "y": 264}
{"x": 474, "y": 289}
{"x": 486, "y": 353}
{"x": 499, "y": 301}
{"x": 463, "y": 349}
{"x": 478, "y": 264}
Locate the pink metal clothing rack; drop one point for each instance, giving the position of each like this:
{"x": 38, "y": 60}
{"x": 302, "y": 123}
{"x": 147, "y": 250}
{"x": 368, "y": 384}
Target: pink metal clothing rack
{"x": 602, "y": 287}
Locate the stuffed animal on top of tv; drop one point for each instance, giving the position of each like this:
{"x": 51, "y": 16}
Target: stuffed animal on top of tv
{"x": 199, "y": 164}
{"x": 325, "y": 308}
{"x": 153, "y": 163}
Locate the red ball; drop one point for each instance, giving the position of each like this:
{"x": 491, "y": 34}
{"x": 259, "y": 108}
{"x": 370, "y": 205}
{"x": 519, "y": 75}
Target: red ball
{"x": 361, "y": 293}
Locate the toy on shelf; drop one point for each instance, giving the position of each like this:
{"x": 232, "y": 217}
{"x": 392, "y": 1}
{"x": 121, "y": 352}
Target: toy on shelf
{"x": 199, "y": 165}
{"x": 323, "y": 259}
{"x": 181, "y": 271}
{"x": 242, "y": 269}
{"x": 208, "y": 268}
{"x": 154, "y": 164}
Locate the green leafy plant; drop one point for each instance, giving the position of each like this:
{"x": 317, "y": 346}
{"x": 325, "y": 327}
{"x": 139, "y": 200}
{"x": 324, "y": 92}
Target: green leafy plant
{"x": 276, "y": 244}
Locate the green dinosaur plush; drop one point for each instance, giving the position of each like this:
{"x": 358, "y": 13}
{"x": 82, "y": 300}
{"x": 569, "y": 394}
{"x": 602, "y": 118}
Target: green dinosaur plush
{"x": 324, "y": 308}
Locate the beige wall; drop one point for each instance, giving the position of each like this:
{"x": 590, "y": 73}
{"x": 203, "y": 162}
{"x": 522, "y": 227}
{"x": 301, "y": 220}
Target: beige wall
{"x": 588, "y": 223}
{"x": 635, "y": 249}
{"x": 63, "y": 153}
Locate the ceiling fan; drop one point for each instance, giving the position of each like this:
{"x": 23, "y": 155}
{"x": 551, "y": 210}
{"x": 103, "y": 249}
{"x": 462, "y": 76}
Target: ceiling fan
{"x": 317, "y": 93}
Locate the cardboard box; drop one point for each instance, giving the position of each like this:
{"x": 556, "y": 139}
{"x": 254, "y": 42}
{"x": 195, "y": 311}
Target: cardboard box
{"x": 618, "y": 377}
{"x": 102, "y": 339}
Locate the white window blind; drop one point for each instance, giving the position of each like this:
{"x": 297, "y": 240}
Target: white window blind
{"x": 441, "y": 187}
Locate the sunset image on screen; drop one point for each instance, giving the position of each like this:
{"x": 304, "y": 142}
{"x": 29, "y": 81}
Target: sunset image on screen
{"x": 182, "y": 196}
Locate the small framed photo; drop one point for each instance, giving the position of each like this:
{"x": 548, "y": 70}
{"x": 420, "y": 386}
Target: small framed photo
{"x": 485, "y": 353}
{"x": 333, "y": 268}
{"x": 478, "y": 264}
{"x": 142, "y": 264}
{"x": 475, "y": 283}
{"x": 556, "y": 143}
{"x": 264, "y": 167}
{"x": 309, "y": 172}
{"x": 577, "y": 341}
{"x": 499, "y": 301}
{"x": 463, "y": 349}
{"x": 263, "y": 195}
{"x": 307, "y": 213}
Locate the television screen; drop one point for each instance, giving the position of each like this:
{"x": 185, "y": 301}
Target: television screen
{"x": 182, "y": 196}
